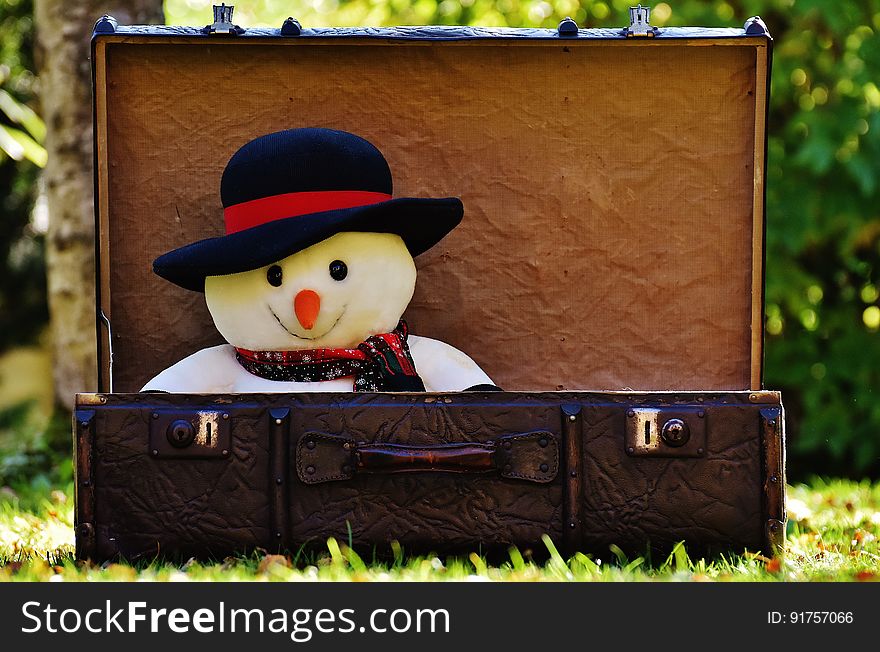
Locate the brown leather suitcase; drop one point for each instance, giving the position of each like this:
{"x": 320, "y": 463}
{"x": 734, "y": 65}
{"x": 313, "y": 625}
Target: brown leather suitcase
{"x": 435, "y": 473}
{"x": 613, "y": 184}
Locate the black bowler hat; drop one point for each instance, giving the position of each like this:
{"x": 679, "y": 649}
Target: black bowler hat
{"x": 286, "y": 191}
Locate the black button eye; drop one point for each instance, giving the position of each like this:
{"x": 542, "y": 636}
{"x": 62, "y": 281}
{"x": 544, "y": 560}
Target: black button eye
{"x": 338, "y": 270}
{"x": 273, "y": 275}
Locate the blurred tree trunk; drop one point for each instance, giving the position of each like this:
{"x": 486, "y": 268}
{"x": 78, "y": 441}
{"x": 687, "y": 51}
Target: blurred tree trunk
{"x": 64, "y": 30}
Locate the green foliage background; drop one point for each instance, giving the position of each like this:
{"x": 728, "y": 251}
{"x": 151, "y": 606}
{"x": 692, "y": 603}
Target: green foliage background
{"x": 823, "y": 199}
{"x": 22, "y": 280}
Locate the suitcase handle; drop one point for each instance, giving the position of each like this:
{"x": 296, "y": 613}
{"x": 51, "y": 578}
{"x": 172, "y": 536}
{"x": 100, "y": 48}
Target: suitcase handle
{"x": 397, "y": 458}
{"x": 323, "y": 457}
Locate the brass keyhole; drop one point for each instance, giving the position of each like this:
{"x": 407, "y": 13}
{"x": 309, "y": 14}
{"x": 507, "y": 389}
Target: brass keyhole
{"x": 181, "y": 433}
{"x": 675, "y": 433}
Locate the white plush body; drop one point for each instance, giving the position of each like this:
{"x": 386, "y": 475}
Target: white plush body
{"x": 443, "y": 368}
{"x": 253, "y": 314}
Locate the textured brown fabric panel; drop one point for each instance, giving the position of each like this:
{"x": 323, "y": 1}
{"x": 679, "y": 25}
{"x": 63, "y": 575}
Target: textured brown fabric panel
{"x": 608, "y": 192}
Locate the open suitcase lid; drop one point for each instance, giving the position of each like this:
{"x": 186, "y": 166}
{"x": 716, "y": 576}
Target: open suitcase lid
{"x": 613, "y": 187}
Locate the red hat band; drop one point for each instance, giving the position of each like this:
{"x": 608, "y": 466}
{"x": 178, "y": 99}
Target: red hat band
{"x": 256, "y": 212}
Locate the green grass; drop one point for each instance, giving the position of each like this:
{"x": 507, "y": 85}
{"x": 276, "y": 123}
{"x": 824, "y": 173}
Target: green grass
{"x": 833, "y": 535}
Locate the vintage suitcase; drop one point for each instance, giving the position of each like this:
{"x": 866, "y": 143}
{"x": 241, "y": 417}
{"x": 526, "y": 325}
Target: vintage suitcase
{"x": 613, "y": 183}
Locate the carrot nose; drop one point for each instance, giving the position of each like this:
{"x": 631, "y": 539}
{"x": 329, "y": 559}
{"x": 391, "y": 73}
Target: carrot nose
{"x": 307, "y": 305}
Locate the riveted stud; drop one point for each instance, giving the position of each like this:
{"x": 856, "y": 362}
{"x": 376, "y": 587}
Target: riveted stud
{"x": 573, "y": 474}
{"x": 278, "y": 422}
{"x": 754, "y": 26}
{"x": 543, "y": 442}
{"x": 507, "y": 468}
{"x": 310, "y": 444}
{"x": 572, "y": 417}
{"x": 225, "y": 415}
{"x": 567, "y": 28}
{"x": 630, "y": 450}
{"x": 310, "y": 469}
{"x": 572, "y": 525}
{"x": 291, "y": 27}
{"x": 224, "y": 453}
{"x": 278, "y": 480}
{"x": 506, "y": 445}
{"x": 630, "y": 413}
{"x": 544, "y": 468}
{"x": 155, "y": 415}
{"x": 155, "y": 453}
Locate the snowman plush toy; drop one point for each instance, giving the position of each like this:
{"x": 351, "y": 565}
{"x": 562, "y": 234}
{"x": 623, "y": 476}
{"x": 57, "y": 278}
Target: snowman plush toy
{"x": 311, "y": 279}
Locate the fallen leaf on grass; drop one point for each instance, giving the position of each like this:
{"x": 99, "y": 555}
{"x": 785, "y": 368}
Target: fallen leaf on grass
{"x": 866, "y": 576}
{"x": 270, "y": 562}
{"x": 773, "y": 565}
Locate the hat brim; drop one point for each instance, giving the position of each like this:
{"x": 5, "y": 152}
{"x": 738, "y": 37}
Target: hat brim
{"x": 421, "y": 223}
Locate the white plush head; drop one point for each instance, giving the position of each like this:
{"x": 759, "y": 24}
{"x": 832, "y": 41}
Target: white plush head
{"x": 297, "y": 304}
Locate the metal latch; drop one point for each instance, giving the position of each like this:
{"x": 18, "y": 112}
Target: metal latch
{"x": 640, "y": 23}
{"x": 223, "y": 22}
{"x": 674, "y": 431}
{"x": 192, "y": 434}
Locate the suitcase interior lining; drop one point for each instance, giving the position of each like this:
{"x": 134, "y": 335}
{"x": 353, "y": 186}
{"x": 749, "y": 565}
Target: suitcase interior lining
{"x": 613, "y": 212}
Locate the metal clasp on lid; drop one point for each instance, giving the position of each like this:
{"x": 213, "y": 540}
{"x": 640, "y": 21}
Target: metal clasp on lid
{"x": 640, "y": 23}
{"x": 223, "y": 21}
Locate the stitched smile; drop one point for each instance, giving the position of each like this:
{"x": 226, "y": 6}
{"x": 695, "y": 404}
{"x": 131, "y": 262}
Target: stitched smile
{"x": 301, "y": 337}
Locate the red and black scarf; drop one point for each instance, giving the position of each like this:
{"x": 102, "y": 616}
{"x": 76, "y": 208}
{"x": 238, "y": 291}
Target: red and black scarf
{"x": 382, "y": 363}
